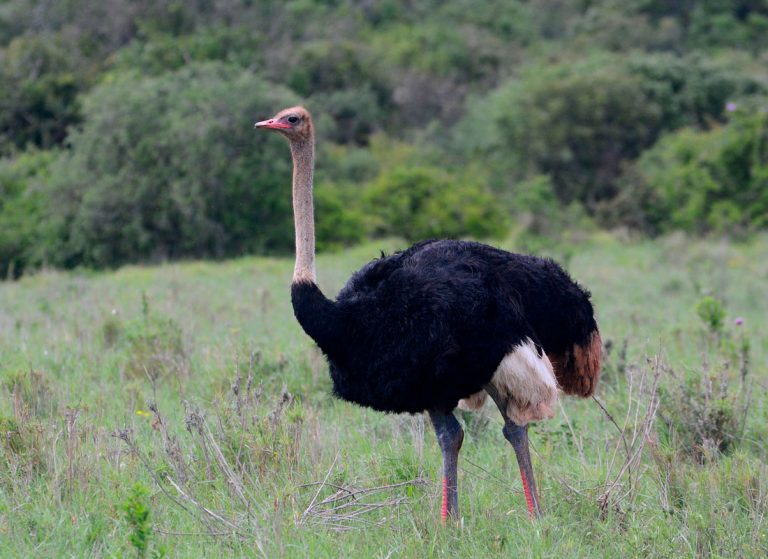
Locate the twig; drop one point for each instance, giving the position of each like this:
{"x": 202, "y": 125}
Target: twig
{"x": 125, "y": 436}
{"x": 345, "y": 508}
{"x": 354, "y": 494}
{"x": 490, "y": 477}
{"x": 576, "y": 440}
{"x": 638, "y": 441}
{"x": 612, "y": 420}
{"x": 314, "y": 483}
{"x": 190, "y": 534}
{"x": 226, "y": 469}
{"x": 203, "y": 508}
{"x": 314, "y": 499}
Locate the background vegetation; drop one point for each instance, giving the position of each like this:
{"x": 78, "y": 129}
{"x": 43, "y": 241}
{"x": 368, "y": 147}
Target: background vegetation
{"x": 178, "y": 410}
{"x": 125, "y": 126}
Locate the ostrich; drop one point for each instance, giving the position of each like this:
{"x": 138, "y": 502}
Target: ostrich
{"x": 443, "y": 324}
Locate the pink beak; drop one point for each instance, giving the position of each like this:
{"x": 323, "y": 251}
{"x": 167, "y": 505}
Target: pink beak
{"x": 272, "y": 124}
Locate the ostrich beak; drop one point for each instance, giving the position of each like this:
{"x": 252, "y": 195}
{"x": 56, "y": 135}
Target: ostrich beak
{"x": 271, "y": 124}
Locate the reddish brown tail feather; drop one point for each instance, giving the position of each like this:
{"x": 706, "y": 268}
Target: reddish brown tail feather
{"x": 578, "y": 369}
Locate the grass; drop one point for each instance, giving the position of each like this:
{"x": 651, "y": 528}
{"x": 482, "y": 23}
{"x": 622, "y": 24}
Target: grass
{"x": 180, "y": 411}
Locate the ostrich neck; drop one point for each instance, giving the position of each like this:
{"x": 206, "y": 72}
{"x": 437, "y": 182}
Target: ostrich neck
{"x": 303, "y": 212}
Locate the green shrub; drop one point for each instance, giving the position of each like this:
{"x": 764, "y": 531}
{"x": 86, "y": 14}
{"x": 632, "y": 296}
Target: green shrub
{"x": 338, "y": 222}
{"x": 427, "y": 202}
{"x": 165, "y": 52}
{"x": 169, "y": 167}
{"x": 715, "y": 180}
{"x": 704, "y": 415}
{"x": 155, "y": 345}
{"x": 577, "y": 123}
{"x": 694, "y": 90}
{"x": 705, "y": 412}
{"x": 729, "y": 24}
{"x": 21, "y": 210}
{"x": 712, "y": 314}
{"x": 40, "y": 78}
{"x": 434, "y": 48}
{"x": 348, "y": 116}
{"x": 136, "y": 510}
{"x": 328, "y": 65}
{"x": 540, "y": 213}
{"x": 582, "y": 123}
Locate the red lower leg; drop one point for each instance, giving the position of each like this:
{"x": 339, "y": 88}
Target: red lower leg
{"x": 518, "y": 436}
{"x": 449, "y": 436}
{"x": 528, "y": 496}
{"x": 444, "y": 507}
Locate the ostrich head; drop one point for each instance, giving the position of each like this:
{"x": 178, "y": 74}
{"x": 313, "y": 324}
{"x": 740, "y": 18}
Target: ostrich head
{"x": 294, "y": 123}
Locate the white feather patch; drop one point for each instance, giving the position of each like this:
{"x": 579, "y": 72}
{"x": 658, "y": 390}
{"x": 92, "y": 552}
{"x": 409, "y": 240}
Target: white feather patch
{"x": 526, "y": 381}
{"x": 474, "y": 402}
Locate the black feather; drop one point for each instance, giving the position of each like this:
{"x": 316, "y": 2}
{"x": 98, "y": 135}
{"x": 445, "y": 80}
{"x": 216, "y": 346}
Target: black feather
{"x": 425, "y": 327}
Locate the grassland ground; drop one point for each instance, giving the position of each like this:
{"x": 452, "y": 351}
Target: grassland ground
{"x": 180, "y": 411}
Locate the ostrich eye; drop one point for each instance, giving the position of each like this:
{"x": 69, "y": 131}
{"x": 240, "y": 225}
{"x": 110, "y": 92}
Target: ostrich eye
{"x": 293, "y": 119}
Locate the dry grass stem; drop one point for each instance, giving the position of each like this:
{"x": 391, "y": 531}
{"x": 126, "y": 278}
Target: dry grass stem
{"x": 640, "y": 433}
{"x": 206, "y": 515}
{"x": 345, "y": 507}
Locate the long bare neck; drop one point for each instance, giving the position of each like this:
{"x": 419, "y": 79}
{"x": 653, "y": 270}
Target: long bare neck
{"x": 303, "y": 153}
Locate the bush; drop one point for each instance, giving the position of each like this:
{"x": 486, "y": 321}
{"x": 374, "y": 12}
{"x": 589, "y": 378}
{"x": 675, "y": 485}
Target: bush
{"x": 705, "y": 411}
{"x": 577, "y": 123}
{"x": 155, "y": 348}
{"x": 166, "y": 52}
{"x": 427, "y": 202}
{"x": 694, "y": 90}
{"x": 338, "y": 222}
{"x": 39, "y": 82}
{"x": 169, "y": 167}
{"x": 709, "y": 181}
{"x": 712, "y": 314}
{"x": 21, "y": 210}
{"x": 429, "y": 65}
{"x": 347, "y": 116}
{"x": 136, "y": 511}
{"x": 704, "y": 415}
{"x": 582, "y": 123}
{"x": 732, "y": 23}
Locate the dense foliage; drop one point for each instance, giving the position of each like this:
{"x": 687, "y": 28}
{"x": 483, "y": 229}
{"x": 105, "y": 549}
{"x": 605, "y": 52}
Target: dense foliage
{"x": 715, "y": 180}
{"x": 426, "y": 202}
{"x": 125, "y": 125}
{"x": 166, "y": 167}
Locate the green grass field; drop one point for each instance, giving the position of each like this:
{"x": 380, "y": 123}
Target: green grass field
{"x": 233, "y": 446}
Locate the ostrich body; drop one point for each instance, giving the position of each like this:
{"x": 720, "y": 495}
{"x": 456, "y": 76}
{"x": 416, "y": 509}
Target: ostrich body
{"x": 443, "y": 324}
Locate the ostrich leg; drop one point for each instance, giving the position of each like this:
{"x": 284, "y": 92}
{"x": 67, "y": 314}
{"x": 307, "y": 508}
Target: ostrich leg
{"x": 517, "y": 435}
{"x": 449, "y": 437}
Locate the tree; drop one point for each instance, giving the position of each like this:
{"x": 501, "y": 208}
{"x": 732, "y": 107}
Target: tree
{"x": 39, "y": 83}
{"x": 583, "y": 123}
{"x": 21, "y": 210}
{"x": 169, "y": 167}
{"x": 702, "y": 181}
{"x": 426, "y": 202}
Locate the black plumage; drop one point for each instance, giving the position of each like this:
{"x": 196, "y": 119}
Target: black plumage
{"x": 425, "y": 327}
